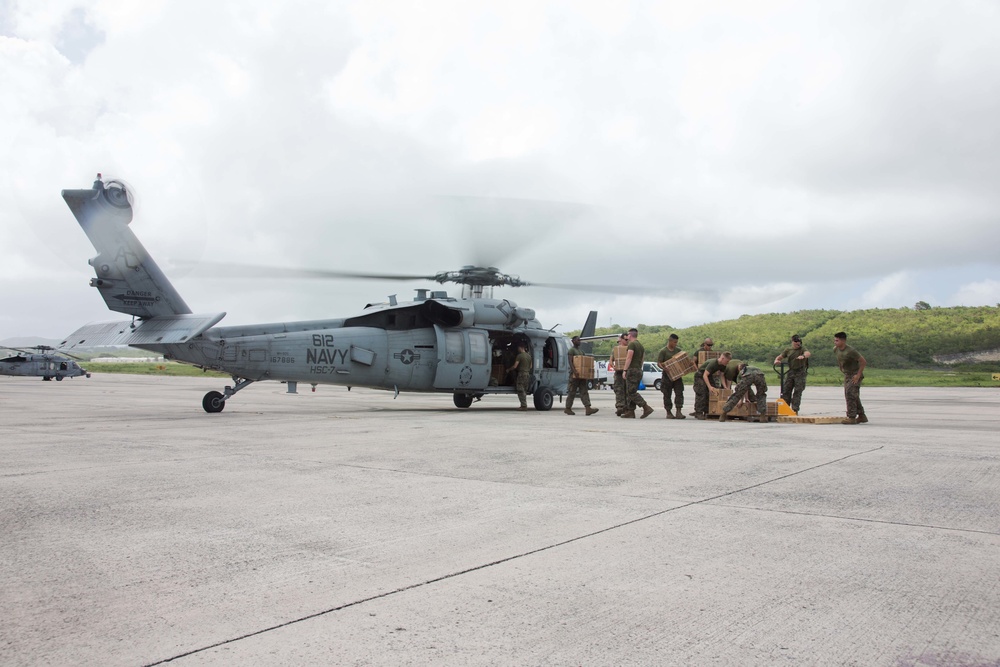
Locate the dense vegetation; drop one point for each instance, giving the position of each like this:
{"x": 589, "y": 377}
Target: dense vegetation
{"x": 888, "y": 338}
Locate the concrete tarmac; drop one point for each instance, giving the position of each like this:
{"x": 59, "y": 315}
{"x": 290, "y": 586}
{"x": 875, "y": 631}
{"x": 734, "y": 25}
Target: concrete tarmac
{"x": 349, "y": 528}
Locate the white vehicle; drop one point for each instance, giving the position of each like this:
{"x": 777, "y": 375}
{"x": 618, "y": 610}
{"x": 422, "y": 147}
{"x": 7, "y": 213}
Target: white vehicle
{"x": 652, "y": 376}
{"x": 600, "y": 375}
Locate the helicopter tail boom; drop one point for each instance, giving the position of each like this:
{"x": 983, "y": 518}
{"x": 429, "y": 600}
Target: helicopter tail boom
{"x": 127, "y": 277}
{"x": 163, "y": 330}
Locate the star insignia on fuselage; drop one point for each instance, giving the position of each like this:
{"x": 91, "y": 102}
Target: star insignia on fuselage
{"x": 406, "y": 356}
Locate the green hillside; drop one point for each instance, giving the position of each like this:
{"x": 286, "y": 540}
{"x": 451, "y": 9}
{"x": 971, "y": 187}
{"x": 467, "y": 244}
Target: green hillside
{"x": 888, "y": 338}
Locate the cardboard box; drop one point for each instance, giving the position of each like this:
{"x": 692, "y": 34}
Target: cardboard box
{"x": 618, "y": 355}
{"x": 680, "y": 365}
{"x": 717, "y": 400}
{"x": 497, "y": 375}
{"x": 704, "y": 356}
{"x": 584, "y": 366}
{"x": 746, "y": 409}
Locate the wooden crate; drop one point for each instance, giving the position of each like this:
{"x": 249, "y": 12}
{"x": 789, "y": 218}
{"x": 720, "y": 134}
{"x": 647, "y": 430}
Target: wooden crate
{"x": 497, "y": 375}
{"x": 680, "y": 365}
{"x": 704, "y": 356}
{"x": 584, "y": 366}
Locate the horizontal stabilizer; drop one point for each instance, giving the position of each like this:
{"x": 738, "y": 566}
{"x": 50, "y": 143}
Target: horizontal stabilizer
{"x": 160, "y": 330}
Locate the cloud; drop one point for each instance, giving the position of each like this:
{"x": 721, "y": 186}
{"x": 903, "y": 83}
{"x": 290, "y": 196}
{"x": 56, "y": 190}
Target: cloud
{"x": 706, "y": 148}
{"x": 981, "y": 293}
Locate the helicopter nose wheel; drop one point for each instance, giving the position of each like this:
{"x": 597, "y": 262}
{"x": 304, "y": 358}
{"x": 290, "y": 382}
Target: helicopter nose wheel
{"x": 213, "y": 402}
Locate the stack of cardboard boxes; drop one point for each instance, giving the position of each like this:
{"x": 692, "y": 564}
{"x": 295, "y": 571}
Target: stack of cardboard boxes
{"x": 718, "y": 399}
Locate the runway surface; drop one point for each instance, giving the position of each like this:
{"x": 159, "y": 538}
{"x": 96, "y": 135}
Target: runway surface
{"x": 349, "y": 528}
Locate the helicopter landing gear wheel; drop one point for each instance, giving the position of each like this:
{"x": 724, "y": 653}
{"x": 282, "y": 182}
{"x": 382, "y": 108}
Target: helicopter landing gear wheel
{"x": 543, "y": 398}
{"x": 59, "y": 378}
{"x": 46, "y": 378}
{"x": 213, "y": 402}
{"x": 463, "y": 400}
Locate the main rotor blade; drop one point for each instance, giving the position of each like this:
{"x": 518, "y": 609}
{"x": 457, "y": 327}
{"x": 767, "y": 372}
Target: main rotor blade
{"x": 227, "y": 270}
{"x": 649, "y": 290}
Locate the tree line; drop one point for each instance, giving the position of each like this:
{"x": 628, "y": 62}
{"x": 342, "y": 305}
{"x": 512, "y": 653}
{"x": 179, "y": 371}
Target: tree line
{"x": 888, "y": 337}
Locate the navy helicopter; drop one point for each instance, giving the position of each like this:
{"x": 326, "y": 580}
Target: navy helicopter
{"x": 464, "y": 345}
{"x": 41, "y": 363}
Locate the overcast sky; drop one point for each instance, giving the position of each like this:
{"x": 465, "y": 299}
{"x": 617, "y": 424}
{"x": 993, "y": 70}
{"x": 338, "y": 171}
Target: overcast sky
{"x": 787, "y": 155}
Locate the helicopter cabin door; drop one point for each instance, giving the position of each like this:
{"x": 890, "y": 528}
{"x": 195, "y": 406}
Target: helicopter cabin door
{"x": 463, "y": 359}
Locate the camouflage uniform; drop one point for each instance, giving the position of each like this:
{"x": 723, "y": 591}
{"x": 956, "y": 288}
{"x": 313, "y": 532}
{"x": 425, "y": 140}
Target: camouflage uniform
{"x": 668, "y": 386}
{"x": 576, "y": 385}
{"x": 751, "y": 379}
{"x": 523, "y": 377}
{"x": 633, "y": 376}
{"x": 700, "y": 388}
{"x": 795, "y": 377}
{"x": 849, "y": 361}
{"x": 621, "y": 404}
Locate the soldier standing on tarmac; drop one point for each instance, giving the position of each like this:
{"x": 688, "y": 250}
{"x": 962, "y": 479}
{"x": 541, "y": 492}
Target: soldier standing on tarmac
{"x": 667, "y": 385}
{"x": 795, "y": 378}
{"x": 852, "y": 365}
{"x": 619, "y": 382}
{"x": 704, "y": 384}
{"x": 633, "y": 376}
{"x": 522, "y": 364}
{"x": 576, "y": 383}
{"x": 752, "y": 385}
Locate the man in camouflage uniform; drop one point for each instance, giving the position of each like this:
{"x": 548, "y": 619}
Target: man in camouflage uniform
{"x": 852, "y": 365}
{"x": 633, "y": 376}
{"x": 576, "y": 383}
{"x": 730, "y": 375}
{"x": 522, "y": 366}
{"x": 706, "y": 346}
{"x": 619, "y": 379}
{"x": 703, "y": 383}
{"x": 795, "y": 377}
{"x": 752, "y": 385}
{"x": 668, "y": 386}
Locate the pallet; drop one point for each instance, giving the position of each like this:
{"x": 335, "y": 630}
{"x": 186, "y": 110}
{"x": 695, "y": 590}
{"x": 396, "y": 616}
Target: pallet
{"x": 809, "y": 420}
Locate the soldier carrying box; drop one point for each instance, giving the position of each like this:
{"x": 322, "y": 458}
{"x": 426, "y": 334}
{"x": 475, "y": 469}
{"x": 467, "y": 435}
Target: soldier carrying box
{"x": 577, "y": 380}
{"x": 670, "y": 384}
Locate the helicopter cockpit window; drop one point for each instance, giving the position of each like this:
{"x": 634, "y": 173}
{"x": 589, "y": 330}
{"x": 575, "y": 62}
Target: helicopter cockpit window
{"x": 63, "y": 366}
{"x": 478, "y": 348}
{"x": 454, "y": 347}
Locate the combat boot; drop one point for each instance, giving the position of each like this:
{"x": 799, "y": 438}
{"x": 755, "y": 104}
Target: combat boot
{"x": 849, "y": 420}
{"x": 569, "y": 412}
{"x": 590, "y": 410}
{"x": 699, "y": 415}
{"x": 679, "y": 414}
{"x": 523, "y": 407}
{"x": 646, "y": 411}
{"x": 862, "y": 418}
{"x": 669, "y": 414}
{"x": 723, "y": 417}
{"x": 628, "y": 414}
{"x": 618, "y": 412}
